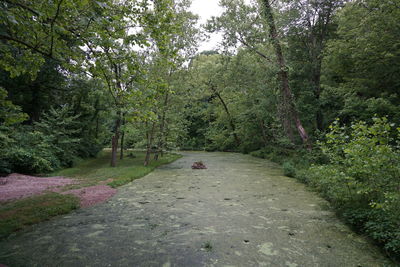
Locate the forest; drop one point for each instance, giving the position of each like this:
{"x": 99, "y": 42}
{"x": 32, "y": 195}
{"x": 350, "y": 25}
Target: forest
{"x": 313, "y": 85}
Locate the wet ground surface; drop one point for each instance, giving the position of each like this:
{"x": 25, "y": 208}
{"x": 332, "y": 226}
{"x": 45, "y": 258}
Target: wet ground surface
{"x": 240, "y": 211}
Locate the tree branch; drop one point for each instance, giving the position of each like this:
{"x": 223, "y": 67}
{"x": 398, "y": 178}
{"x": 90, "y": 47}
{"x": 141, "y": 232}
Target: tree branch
{"x": 52, "y": 26}
{"x": 22, "y": 6}
{"x": 34, "y": 48}
{"x": 253, "y": 49}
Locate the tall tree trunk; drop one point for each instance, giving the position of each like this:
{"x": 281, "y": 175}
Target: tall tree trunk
{"x": 284, "y": 116}
{"x": 150, "y": 137}
{"x": 230, "y": 119}
{"x": 283, "y": 73}
{"x": 114, "y": 140}
{"x": 121, "y": 155}
{"x": 160, "y": 144}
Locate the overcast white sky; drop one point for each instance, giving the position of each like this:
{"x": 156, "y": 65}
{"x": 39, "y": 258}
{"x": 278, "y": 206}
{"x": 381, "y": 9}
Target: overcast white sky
{"x": 206, "y": 9}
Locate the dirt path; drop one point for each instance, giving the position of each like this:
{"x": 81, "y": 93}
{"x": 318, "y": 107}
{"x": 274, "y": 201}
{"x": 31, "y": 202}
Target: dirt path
{"x": 240, "y": 211}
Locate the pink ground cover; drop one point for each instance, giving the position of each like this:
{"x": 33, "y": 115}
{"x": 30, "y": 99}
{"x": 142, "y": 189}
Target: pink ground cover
{"x": 16, "y": 185}
{"x": 93, "y": 194}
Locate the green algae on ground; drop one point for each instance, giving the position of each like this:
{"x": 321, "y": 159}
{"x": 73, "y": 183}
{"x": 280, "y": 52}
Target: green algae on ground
{"x": 269, "y": 220}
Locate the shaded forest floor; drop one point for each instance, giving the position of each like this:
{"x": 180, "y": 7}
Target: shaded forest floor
{"x": 90, "y": 182}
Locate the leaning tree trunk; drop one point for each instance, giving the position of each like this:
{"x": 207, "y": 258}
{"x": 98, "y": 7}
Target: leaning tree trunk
{"x": 114, "y": 140}
{"x": 231, "y": 122}
{"x": 283, "y": 73}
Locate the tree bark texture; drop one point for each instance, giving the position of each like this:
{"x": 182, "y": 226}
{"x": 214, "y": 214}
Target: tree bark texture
{"x": 114, "y": 140}
{"x": 283, "y": 74}
{"x": 150, "y": 137}
{"x": 160, "y": 144}
{"x": 121, "y": 155}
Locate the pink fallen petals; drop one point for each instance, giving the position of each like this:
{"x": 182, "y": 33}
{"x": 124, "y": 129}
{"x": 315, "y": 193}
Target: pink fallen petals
{"x": 16, "y": 186}
{"x": 92, "y": 195}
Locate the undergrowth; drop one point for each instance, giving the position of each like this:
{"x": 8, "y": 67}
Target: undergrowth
{"x": 357, "y": 169}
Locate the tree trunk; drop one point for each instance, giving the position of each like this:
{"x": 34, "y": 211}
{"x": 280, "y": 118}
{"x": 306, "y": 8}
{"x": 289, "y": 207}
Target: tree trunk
{"x": 231, "y": 122}
{"x": 150, "y": 137}
{"x": 286, "y": 120}
{"x": 114, "y": 140}
{"x": 283, "y": 73}
{"x": 160, "y": 144}
{"x": 165, "y": 138}
{"x": 121, "y": 155}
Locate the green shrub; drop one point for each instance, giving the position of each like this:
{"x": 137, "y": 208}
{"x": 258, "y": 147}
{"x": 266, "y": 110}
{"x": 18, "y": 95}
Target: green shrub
{"x": 258, "y": 153}
{"x": 28, "y": 161}
{"x": 62, "y": 130}
{"x": 362, "y": 178}
{"x": 289, "y": 169}
{"x": 56, "y": 141}
{"x": 26, "y": 151}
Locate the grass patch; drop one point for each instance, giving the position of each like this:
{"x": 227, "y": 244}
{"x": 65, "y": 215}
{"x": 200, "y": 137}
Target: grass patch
{"x": 92, "y": 171}
{"x": 19, "y": 214}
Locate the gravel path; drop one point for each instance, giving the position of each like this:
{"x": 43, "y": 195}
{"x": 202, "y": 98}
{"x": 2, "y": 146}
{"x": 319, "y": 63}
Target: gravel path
{"x": 240, "y": 211}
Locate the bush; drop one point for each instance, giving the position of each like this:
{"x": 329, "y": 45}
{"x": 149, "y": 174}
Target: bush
{"x": 26, "y": 151}
{"x": 259, "y": 153}
{"x": 289, "y": 169}
{"x": 299, "y": 158}
{"x": 56, "y": 141}
{"x": 28, "y": 161}
{"x": 62, "y": 130}
{"x": 362, "y": 178}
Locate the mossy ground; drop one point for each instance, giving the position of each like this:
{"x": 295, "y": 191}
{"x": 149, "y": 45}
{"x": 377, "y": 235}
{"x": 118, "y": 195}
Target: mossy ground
{"x": 19, "y": 214}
